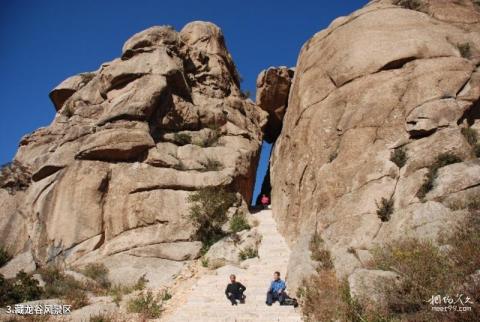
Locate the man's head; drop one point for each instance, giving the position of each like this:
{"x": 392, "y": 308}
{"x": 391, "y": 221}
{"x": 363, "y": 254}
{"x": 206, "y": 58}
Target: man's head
{"x": 276, "y": 276}
{"x": 232, "y": 278}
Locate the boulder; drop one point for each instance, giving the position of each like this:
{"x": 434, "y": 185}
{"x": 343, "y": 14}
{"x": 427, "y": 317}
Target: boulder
{"x": 273, "y": 87}
{"x": 21, "y": 262}
{"x": 228, "y": 249}
{"x": 367, "y": 286}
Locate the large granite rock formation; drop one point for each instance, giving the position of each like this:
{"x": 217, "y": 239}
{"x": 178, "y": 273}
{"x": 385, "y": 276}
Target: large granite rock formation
{"x": 108, "y": 179}
{"x": 273, "y": 87}
{"x": 383, "y": 80}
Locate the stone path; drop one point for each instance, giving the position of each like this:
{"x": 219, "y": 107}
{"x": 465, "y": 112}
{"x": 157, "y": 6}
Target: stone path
{"x": 206, "y": 301}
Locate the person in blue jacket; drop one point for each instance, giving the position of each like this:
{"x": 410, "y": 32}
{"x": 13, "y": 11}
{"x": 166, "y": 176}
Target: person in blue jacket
{"x": 276, "y": 292}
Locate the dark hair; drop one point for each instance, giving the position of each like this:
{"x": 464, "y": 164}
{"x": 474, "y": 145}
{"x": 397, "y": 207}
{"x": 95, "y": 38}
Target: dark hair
{"x": 278, "y": 273}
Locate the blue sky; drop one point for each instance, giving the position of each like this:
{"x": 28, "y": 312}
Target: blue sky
{"x": 44, "y": 42}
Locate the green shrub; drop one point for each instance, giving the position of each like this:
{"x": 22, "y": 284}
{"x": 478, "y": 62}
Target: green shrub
{"x": 442, "y": 160}
{"x": 464, "y": 50}
{"x": 182, "y": 138}
{"x": 208, "y": 209}
{"x": 399, "y": 157}
{"x": 212, "y": 165}
{"x": 470, "y": 135}
{"x": 166, "y": 296}
{"x": 249, "y": 252}
{"x": 147, "y": 305}
{"x": 319, "y": 253}
{"x": 385, "y": 209}
{"x": 5, "y": 256}
{"x": 117, "y": 291}
{"x": 57, "y": 284}
{"x": 97, "y": 272}
{"x": 408, "y": 4}
{"x": 239, "y": 222}
{"x": 204, "y": 262}
{"x": 19, "y": 289}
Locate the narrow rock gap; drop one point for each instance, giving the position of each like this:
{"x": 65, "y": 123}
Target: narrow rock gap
{"x": 262, "y": 179}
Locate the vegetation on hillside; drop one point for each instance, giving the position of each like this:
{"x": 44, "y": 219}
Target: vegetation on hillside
{"x": 425, "y": 270}
{"x": 148, "y": 305}
{"x": 399, "y": 157}
{"x": 208, "y": 209}
{"x": 60, "y": 285}
{"x": 442, "y": 160}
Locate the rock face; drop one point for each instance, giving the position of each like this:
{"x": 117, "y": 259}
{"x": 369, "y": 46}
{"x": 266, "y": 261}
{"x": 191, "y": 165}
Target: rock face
{"x": 108, "y": 179}
{"x": 381, "y": 80}
{"x": 273, "y": 87}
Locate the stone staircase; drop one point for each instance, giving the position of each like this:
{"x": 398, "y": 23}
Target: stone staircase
{"x": 206, "y": 300}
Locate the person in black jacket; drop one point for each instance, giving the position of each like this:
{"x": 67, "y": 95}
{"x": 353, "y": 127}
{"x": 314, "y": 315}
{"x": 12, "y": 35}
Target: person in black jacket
{"x": 234, "y": 291}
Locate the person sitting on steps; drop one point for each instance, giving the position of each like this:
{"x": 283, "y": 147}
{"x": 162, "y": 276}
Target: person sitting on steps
{"x": 276, "y": 292}
{"x": 234, "y": 291}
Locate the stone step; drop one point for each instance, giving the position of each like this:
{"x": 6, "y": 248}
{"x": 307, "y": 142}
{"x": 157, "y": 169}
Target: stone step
{"x": 206, "y": 300}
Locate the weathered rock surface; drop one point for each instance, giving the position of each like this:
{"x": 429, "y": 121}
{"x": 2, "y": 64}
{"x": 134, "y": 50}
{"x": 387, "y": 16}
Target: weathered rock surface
{"x": 381, "y": 79}
{"x": 367, "y": 285}
{"x": 21, "y": 262}
{"x": 227, "y": 250}
{"x": 273, "y": 87}
{"x": 107, "y": 180}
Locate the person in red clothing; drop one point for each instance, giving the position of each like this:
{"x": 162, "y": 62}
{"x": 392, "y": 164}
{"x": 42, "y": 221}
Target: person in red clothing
{"x": 265, "y": 201}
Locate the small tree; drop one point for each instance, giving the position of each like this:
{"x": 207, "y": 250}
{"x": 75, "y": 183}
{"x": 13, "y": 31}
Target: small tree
{"x": 208, "y": 209}
{"x": 385, "y": 209}
{"x": 399, "y": 157}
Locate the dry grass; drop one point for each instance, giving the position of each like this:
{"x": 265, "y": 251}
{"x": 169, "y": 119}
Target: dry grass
{"x": 426, "y": 271}
{"x": 249, "y": 252}
{"x": 408, "y": 4}
{"x": 97, "y": 272}
{"x": 442, "y": 160}
{"x": 385, "y": 209}
{"x": 148, "y": 305}
{"x": 319, "y": 253}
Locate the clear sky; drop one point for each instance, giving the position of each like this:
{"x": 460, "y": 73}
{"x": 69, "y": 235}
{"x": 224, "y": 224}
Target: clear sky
{"x": 44, "y": 42}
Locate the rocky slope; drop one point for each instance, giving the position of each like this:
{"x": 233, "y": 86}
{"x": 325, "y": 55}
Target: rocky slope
{"x": 107, "y": 181}
{"x": 384, "y": 83}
